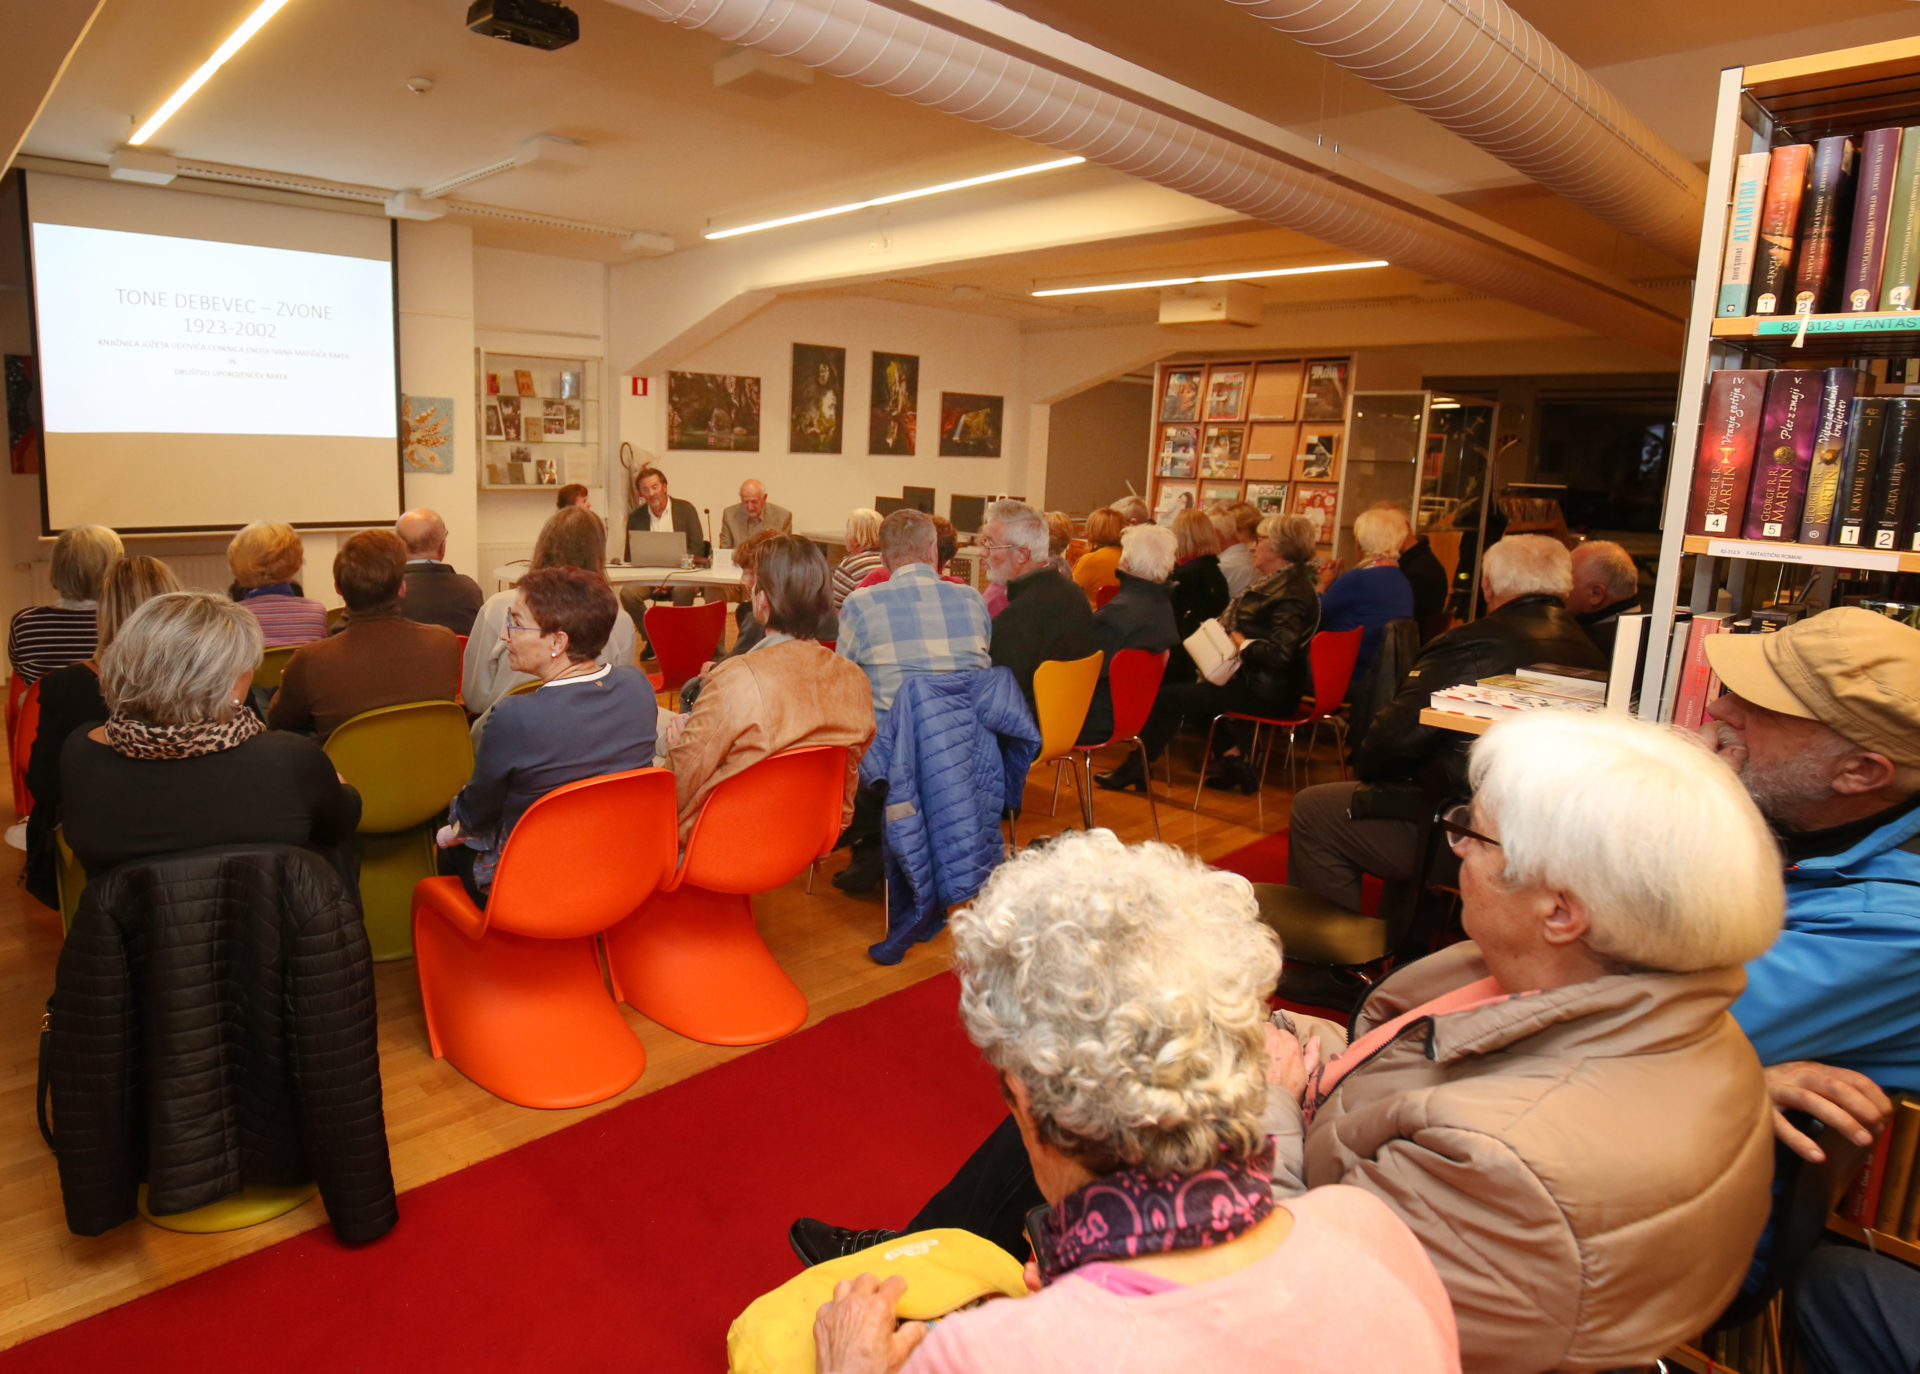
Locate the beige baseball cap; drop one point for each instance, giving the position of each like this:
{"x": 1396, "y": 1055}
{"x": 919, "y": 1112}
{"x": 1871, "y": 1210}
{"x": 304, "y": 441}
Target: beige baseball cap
{"x": 1854, "y": 671}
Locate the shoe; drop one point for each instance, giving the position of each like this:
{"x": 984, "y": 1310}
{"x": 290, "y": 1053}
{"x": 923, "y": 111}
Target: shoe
{"x": 862, "y": 875}
{"x": 815, "y": 1242}
{"x": 1230, "y": 773}
{"x": 1129, "y": 776}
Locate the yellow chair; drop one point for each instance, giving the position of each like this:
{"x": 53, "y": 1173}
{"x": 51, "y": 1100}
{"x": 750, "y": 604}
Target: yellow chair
{"x": 1062, "y": 691}
{"x": 406, "y": 762}
{"x": 70, "y": 879}
{"x": 524, "y": 688}
{"x": 335, "y": 615}
{"x": 273, "y": 664}
{"x": 253, "y": 1204}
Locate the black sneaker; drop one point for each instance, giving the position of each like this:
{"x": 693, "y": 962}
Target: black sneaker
{"x": 1231, "y": 773}
{"x": 815, "y": 1242}
{"x": 863, "y": 874}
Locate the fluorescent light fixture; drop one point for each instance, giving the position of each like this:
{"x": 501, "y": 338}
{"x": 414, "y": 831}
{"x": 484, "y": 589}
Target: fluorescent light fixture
{"x": 1444, "y": 405}
{"x": 897, "y": 197}
{"x": 235, "y": 41}
{"x": 1215, "y": 276}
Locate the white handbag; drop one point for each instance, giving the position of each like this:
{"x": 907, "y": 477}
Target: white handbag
{"x": 1213, "y": 652}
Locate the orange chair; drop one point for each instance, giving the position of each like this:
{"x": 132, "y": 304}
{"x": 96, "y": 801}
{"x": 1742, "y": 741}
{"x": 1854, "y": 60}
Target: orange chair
{"x": 1133, "y": 681}
{"x": 16, "y": 688}
{"x": 683, "y": 638}
{"x": 1330, "y": 656}
{"x": 691, "y": 957}
{"x": 20, "y": 745}
{"x": 513, "y": 995}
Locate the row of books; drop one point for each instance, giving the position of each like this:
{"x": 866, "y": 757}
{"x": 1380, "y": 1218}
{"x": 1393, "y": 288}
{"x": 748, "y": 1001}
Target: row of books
{"x": 1813, "y": 228}
{"x": 1886, "y": 1196}
{"x": 1798, "y": 455}
{"x": 1691, "y": 682}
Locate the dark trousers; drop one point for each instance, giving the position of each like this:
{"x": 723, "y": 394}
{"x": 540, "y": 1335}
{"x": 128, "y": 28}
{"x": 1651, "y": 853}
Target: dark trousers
{"x": 1859, "y": 1313}
{"x": 1201, "y": 702}
{"x": 862, "y": 834}
{"x": 636, "y": 598}
{"x": 990, "y": 1196}
{"x": 457, "y": 862}
{"x": 1327, "y": 850}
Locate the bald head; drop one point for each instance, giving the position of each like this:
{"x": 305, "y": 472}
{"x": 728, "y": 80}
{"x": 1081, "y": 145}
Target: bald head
{"x": 423, "y": 532}
{"x": 1603, "y": 573}
{"x": 753, "y": 497}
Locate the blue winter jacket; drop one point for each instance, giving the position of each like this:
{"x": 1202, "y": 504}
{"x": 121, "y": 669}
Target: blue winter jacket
{"x": 954, "y": 753}
{"x": 1842, "y": 984}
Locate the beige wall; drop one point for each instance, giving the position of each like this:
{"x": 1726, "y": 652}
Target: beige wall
{"x": 1096, "y": 443}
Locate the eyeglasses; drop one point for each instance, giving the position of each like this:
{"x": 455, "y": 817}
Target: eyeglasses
{"x": 514, "y": 627}
{"x": 990, "y": 546}
{"x": 1454, "y": 821}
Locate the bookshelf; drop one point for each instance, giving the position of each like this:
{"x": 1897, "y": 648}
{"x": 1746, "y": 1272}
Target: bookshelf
{"x": 1758, "y": 108}
{"x": 539, "y": 420}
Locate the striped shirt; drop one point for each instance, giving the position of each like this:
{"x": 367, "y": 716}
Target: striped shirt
{"x": 913, "y": 623}
{"x": 43, "y": 638}
{"x": 852, "y": 570}
{"x": 285, "y": 618}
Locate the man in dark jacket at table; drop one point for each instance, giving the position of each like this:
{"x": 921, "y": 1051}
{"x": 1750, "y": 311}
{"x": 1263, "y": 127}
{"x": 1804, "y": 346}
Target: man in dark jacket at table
{"x": 1524, "y": 582}
{"x": 1047, "y": 616}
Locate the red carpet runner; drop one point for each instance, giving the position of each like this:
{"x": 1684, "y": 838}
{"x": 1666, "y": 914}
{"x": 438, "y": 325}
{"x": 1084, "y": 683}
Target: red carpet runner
{"x": 1265, "y": 861}
{"x": 627, "y": 1242}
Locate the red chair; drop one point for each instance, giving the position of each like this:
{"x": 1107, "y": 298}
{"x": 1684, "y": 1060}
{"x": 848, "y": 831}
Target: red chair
{"x": 683, "y": 639}
{"x": 1330, "y": 656}
{"x": 691, "y": 957}
{"x": 16, "y": 688}
{"x": 513, "y": 994}
{"x": 1133, "y": 681}
{"x": 1103, "y": 595}
{"x": 26, "y": 725}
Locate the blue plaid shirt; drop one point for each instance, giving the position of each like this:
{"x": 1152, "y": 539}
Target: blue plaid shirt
{"x": 913, "y": 623}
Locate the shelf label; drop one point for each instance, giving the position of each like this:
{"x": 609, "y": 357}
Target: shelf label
{"x": 1820, "y": 555}
{"x": 1840, "y": 324}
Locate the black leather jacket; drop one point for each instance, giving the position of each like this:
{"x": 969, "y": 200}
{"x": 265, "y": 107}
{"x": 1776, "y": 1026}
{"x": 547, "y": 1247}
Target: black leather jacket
{"x": 1278, "y": 615}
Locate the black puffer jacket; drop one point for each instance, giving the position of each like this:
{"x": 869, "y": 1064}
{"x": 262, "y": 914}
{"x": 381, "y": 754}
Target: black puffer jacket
{"x": 213, "y": 1026}
{"x": 1278, "y": 615}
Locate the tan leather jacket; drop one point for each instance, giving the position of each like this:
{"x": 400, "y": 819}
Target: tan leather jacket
{"x": 1588, "y": 1168}
{"x": 780, "y": 695}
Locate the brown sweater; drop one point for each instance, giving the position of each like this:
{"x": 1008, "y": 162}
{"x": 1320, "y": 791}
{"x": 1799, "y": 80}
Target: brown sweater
{"x": 380, "y": 659}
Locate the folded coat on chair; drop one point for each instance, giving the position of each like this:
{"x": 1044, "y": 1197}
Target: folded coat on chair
{"x": 954, "y": 752}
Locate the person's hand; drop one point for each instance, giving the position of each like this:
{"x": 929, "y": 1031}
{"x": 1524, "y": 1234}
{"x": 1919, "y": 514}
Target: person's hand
{"x": 1031, "y": 1274}
{"x": 1848, "y": 1102}
{"x": 448, "y": 835}
{"x": 856, "y": 1332}
{"x": 1239, "y": 640}
{"x": 1290, "y": 1064}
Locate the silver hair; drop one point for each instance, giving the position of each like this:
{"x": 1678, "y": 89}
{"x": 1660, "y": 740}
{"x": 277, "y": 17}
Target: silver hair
{"x": 1527, "y": 565}
{"x": 1147, "y": 551}
{"x": 1023, "y": 525}
{"x": 1380, "y": 532}
{"x": 1126, "y": 987}
{"x": 81, "y": 557}
{"x": 1292, "y": 537}
{"x": 1610, "y": 564}
{"x": 1654, "y": 835}
{"x": 908, "y": 536}
{"x": 863, "y": 527}
{"x": 175, "y": 659}
{"x": 1133, "y": 509}
{"x": 422, "y": 531}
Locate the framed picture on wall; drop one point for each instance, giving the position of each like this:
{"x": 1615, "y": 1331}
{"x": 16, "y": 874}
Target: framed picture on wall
{"x": 1269, "y": 498}
{"x": 818, "y": 398}
{"x": 710, "y": 410}
{"x": 1221, "y": 457}
{"x": 1177, "y": 445}
{"x": 1227, "y": 393}
{"x": 1182, "y": 398}
{"x": 1318, "y": 457}
{"x": 970, "y": 424}
{"x": 1222, "y": 493}
{"x": 1316, "y": 502}
{"x": 894, "y": 391}
{"x": 1326, "y": 392}
{"x": 1173, "y": 498}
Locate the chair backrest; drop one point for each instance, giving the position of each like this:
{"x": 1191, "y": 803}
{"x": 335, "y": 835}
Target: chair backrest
{"x": 1062, "y": 692}
{"x": 1102, "y": 595}
{"x": 335, "y": 614}
{"x": 406, "y": 761}
{"x": 523, "y": 688}
{"x": 26, "y": 726}
{"x": 684, "y": 639}
{"x": 1134, "y": 681}
{"x": 1330, "y": 656}
{"x": 273, "y": 666}
{"x": 585, "y": 855}
{"x": 765, "y": 824}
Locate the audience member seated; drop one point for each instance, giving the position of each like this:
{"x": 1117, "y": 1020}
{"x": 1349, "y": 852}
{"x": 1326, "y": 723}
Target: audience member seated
{"x": 1141, "y": 615}
{"x": 1421, "y": 567}
{"x": 588, "y": 717}
{"x": 1096, "y": 565}
{"x": 752, "y": 515}
{"x": 1606, "y": 585}
{"x": 913, "y": 623}
{"x": 1133, "y": 510}
{"x": 1059, "y": 541}
{"x": 1524, "y": 581}
{"x": 1561, "y": 1109}
{"x": 42, "y": 638}
{"x": 786, "y": 692}
{"x": 655, "y": 510}
{"x": 747, "y": 629}
{"x": 1199, "y": 588}
{"x": 1367, "y": 597}
{"x": 1237, "y": 538}
{"x": 265, "y": 559}
{"x": 1270, "y": 624}
{"x": 1856, "y": 1312}
{"x": 436, "y": 594}
{"x": 380, "y": 659}
{"x": 1131, "y": 1053}
{"x": 862, "y": 557}
{"x": 1046, "y": 617}
{"x": 946, "y": 541}
{"x": 571, "y": 538}
{"x": 180, "y": 762}
{"x": 70, "y": 699}
{"x": 573, "y": 494}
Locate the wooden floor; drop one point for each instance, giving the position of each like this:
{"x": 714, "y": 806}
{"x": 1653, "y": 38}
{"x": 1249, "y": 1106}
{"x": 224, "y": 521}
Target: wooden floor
{"x": 438, "y": 1121}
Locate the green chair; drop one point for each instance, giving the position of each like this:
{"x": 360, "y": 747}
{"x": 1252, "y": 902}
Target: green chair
{"x": 70, "y": 878}
{"x": 273, "y": 664}
{"x": 406, "y": 762}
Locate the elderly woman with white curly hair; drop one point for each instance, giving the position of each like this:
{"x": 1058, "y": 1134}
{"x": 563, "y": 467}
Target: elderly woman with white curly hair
{"x": 1121, "y": 995}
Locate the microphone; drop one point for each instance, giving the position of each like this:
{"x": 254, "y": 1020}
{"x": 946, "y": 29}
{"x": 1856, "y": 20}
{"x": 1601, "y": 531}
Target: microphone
{"x": 707, "y": 512}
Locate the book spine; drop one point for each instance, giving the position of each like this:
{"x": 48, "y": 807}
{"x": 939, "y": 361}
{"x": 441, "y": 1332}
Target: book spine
{"x": 1779, "y": 216}
{"x": 1902, "y": 271}
{"x": 1696, "y": 688}
{"x": 1905, "y": 1132}
{"x": 1871, "y": 1178}
{"x": 1894, "y": 476}
{"x": 1823, "y": 225}
{"x": 1789, "y": 420}
{"x": 1866, "y": 417}
{"x": 1676, "y": 669}
{"x": 1872, "y": 215}
{"x": 1628, "y": 633}
{"x": 1743, "y": 232}
{"x": 1723, "y": 469}
{"x": 1838, "y": 388}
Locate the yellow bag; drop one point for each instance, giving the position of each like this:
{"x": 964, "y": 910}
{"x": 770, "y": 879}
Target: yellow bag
{"x": 945, "y": 1271}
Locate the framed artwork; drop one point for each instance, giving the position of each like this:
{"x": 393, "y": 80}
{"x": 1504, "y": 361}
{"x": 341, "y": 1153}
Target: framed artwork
{"x": 546, "y": 473}
{"x": 509, "y": 407}
{"x": 1173, "y": 498}
{"x": 1221, "y": 457}
{"x": 1318, "y": 458}
{"x": 1227, "y": 393}
{"x": 1269, "y": 498}
{"x": 492, "y": 413}
{"x": 970, "y": 425}
{"x": 1182, "y": 399}
{"x": 710, "y": 410}
{"x": 1177, "y": 445}
{"x": 893, "y": 423}
{"x": 1276, "y": 392}
{"x": 574, "y": 417}
{"x": 1316, "y": 502}
{"x": 427, "y": 433}
{"x": 818, "y": 399}
{"x": 1326, "y": 392}
{"x": 1221, "y": 493}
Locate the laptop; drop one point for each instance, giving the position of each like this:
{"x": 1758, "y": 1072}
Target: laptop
{"x": 656, "y": 548}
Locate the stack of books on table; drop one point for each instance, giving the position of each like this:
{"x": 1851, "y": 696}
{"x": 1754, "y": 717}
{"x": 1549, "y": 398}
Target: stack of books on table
{"x": 1543, "y": 687}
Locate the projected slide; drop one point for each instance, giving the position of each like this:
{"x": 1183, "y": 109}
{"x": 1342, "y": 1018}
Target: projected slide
{"x": 145, "y": 334}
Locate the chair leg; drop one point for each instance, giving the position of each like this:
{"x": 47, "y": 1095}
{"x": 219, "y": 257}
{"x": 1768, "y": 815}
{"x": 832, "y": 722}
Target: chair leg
{"x": 1205, "y": 754}
{"x": 1146, "y": 764}
{"x": 1086, "y": 803}
{"x": 812, "y": 869}
{"x": 1053, "y": 808}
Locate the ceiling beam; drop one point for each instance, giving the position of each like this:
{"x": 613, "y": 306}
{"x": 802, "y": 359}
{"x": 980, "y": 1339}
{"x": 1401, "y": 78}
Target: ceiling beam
{"x": 41, "y": 40}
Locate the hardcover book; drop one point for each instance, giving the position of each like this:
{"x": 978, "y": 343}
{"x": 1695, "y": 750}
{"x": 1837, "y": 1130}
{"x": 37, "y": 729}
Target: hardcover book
{"x": 1743, "y": 232}
{"x": 1866, "y": 417}
{"x": 1779, "y": 217}
{"x": 1724, "y": 468}
{"x": 1838, "y": 387}
{"x": 1789, "y": 422}
{"x": 1824, "y": 221}
{"x": 1901, "y": 273}
{"x": 1904, "y": 1128}
{"x": 1872, "y": 215}
{"x": 1893, "y": 476}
